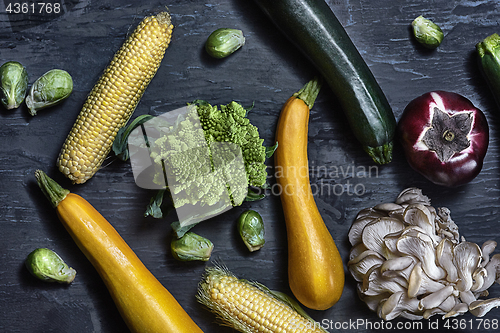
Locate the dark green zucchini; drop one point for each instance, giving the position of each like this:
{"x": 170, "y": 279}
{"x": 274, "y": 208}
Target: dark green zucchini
{"x": 314, "y": 29}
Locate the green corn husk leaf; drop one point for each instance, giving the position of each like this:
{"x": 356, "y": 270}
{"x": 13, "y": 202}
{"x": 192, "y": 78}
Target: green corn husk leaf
{"x": 254, "y": 196}
{"x": 179, "y": 230}
{"x": 157, "y": 208}
{"x": 270, "y": 150}
{"x": 250, "y": 108}
{"x": 120, "y": 144}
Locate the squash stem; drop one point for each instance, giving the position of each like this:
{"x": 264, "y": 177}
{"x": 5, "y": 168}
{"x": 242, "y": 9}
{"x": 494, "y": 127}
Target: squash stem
{"x": 309, "y": 92}
{"x": 490, "y": 44}
{"x": 381, "y": 154}
{"x": 489, "y": 63}
{"x": 52, "y": 190}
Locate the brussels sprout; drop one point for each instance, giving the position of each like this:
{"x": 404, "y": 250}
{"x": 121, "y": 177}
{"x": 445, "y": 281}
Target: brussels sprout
{"x": 251, "y": 229}
{"x": 223, "y": 42}
{"x": 46, "y": 265}
{"x": 427, "y": 32}
{"x": 49, "y": 89}
{"x": 14, "y": 80}
{"x": 191, "y": 247}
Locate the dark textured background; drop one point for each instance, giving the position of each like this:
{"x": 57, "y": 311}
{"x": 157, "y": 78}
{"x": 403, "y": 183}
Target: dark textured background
{"x": 267, "y": 70}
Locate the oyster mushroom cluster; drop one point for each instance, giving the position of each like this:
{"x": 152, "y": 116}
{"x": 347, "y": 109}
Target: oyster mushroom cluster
{"x": 409, "y": 261}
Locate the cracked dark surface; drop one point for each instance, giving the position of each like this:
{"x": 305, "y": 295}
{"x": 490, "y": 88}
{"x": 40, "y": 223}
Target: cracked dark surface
{"x": 267, "y": 70}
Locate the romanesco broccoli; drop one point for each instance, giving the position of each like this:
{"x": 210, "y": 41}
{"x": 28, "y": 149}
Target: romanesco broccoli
{"x": 230, "y": 124}
{"x": 202, "y": 153}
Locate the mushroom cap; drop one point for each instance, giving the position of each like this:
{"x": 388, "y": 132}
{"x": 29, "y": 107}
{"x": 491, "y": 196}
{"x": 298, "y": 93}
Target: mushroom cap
{"x": 415, "y": 280}
{"x": 419, "y": 283}
{"x": 412, "y": 195}
{"x": 389, "y": 248}
{"x": 492, "y": 270}
{"x": 369, "y": 212}
{"x": 375, "y": 283}
{"x": 357, "y": 250}
{"x": 420, "y": 216}
{"x": 387, "y": 207}
{"x": 466, "y": 257}
{"x": 420, "y": 246}
{"x": 374, "y": 232}
{"x": 398, "y": 213}
{"x": 397, "y": 303}
{"x": 399, "y": 266}
{"x": 481, "y": 307}
{"x": 410, "y": 316}
{"x": 450, "y": 302}
{"x": 435, "y": 299}
{"x": 444, "y": 257}
{"x": 444, "y": 308}
{"x": 360, "y": 265}
{"x": 458, "y": 309}
{"x": 357, "y": 228}
{"x": 487, "y": 248}
{"x": 374, "y": 301}
{"x": 467, "y": 297}
{"x": 478, "y": 278}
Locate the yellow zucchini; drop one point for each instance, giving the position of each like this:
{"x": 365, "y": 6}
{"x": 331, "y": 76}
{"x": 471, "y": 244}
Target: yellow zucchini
{"x": 144, "y": 303}
{"x": 315, "y": 268}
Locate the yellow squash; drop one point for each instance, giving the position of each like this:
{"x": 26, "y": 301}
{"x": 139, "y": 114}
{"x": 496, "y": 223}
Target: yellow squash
{"x": 144, "y": 303}
{"x": 315, "y": 268}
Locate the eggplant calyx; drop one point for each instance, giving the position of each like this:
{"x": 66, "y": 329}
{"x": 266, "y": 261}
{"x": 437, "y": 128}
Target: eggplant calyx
{"x": 448, "y": 134}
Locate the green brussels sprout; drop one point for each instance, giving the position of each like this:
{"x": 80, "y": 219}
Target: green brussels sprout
{"x": 427, "y": 32}
{"x": 191, "y": 247}
{"x": 251, "y": 229}
{"x": 223, "y": 42}
{"x": 46, "y": 265}
{"x": 49, "y": 89}
{"x": 14, "y": 81}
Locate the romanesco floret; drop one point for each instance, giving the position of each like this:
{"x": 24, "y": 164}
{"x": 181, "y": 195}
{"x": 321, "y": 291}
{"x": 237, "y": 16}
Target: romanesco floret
{"x": 230, "y": 124}
{"x": 201, "y": 155}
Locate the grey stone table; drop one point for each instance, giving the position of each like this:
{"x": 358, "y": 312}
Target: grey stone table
{"x": 83, "y": 37}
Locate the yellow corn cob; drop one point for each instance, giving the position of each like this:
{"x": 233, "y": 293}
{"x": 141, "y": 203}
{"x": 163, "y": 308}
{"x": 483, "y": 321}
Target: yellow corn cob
{"x": 114, "y": 98}
{"x": 250, "y": 307}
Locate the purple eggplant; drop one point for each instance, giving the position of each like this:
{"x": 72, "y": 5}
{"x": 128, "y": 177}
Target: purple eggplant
{"x": 445, "y": 137}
